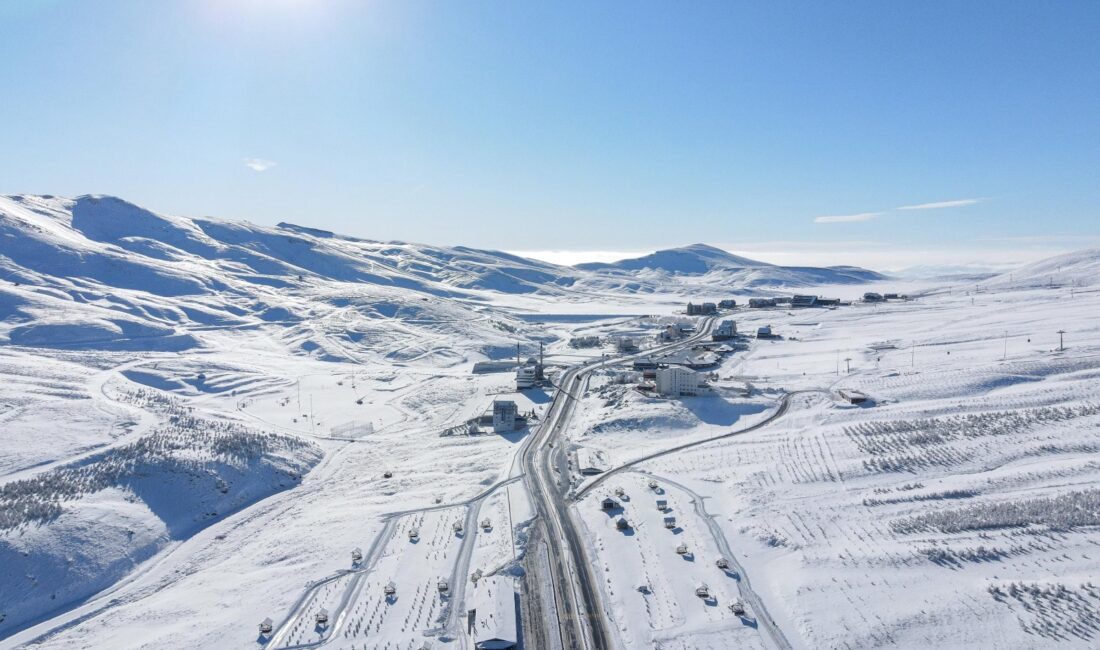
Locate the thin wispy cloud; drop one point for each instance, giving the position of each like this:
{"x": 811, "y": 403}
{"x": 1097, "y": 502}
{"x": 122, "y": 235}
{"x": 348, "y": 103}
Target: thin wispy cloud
{"x": 848, "y": 218}
{"x": 259, "y": 164}
{"x": 938, "y": 205}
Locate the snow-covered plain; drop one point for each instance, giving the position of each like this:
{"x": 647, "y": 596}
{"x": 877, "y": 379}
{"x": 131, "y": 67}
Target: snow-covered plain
{"x": 203, "y": 419}
{"x": 960, "y": 507}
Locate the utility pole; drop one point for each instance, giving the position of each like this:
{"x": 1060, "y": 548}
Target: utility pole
{"x": 838, "y": 363}
{"x": 1061, "y": 344}
{"x": 848, "y": 365}
{"x": 913, "y": 354}
{"x": 1005, "y": 354}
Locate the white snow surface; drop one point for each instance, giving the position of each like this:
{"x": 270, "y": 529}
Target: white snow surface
{"x": 203, "y": 418}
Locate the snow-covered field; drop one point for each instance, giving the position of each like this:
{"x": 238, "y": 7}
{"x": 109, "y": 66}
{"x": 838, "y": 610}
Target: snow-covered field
{"x": 959, "y": 508}
{"x": 203, "y": 419}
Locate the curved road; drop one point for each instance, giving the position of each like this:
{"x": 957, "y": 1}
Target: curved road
{"x": 580, "y": 619}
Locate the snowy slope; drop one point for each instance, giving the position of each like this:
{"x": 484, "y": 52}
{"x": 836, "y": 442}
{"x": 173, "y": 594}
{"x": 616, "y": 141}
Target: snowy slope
{"x": 98, "y": 272}
{"x": 202, "y": 418}
{"x": 1080, "y": 268}
{"x": 707, "y": 265}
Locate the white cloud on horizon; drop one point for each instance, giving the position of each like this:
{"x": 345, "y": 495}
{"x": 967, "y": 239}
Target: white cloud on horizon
{"x": 259, "y": 164}
{"x": 939, "y": 205}
{"x": 848, "y": 218}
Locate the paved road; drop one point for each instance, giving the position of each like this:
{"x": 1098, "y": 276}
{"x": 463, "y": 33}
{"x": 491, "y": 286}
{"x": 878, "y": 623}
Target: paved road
{"x": 784, "y": 405}
{"x": 579, "y": 613}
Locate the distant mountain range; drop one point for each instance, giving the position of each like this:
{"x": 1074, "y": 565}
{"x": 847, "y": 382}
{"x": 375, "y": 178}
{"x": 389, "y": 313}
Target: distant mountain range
{"x": 115, "y": 243}
{"x": 102, "y": 272}
{"x": 726, "y": 269}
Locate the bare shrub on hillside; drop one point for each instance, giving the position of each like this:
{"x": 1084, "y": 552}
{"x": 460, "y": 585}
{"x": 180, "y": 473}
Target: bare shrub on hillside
{"x": 910, "y": 445}
{"x": 1053, "y": 611}
{"x": 186, "y": 444}
{"x": 1060, "y": 512}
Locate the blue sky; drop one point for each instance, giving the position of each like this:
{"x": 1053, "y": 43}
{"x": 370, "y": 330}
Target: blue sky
{"x": 598, "y": 127}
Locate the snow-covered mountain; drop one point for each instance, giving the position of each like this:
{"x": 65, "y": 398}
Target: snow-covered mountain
{"x": 1081, "y": 268}
{"x": 696, "y": 259}
{"x": 712, "y": 265}
{"x": 101, "y": 272}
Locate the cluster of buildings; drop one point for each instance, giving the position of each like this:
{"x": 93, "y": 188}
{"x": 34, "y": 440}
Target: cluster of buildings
{"x": 871, "y": 296}
{"x": 702, "y": 309}
{"x": 709, "y": 308}
{"x": 794, "y": 302}
{"x": 675, "y": 332}
{"x": 678, "y": 374}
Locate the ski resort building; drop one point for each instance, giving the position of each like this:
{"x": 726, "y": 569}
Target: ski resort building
{"x": 484, "y": 367}
{"x": 759, "y": 303}
{"x": 493, "y": 615}
{"x": 526, "y": 377}
{"x": 677, "y": 381}
{"x": 764, "y": 332}
{"x": 726, "y": 330}
{"x": 504, "y": 415}
{"x": 852, "y": 396}
{"x": 702, "y": 309}
{"x": 727, "y": 304}
{"x": 625, "y": 345}
{"x": 802, "y": 302}
{"x": 695, "y": 358}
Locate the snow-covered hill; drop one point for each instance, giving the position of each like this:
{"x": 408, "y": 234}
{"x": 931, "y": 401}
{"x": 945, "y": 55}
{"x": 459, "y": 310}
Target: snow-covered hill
{"x": 101, "y": 273}
{"x": 1079, "y": 268}
{"x": 709, "y": 265}
{"x": 200, "y": 417}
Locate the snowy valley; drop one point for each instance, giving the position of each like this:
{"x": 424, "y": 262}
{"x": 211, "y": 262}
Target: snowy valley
{"x": 210, "y": 425}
